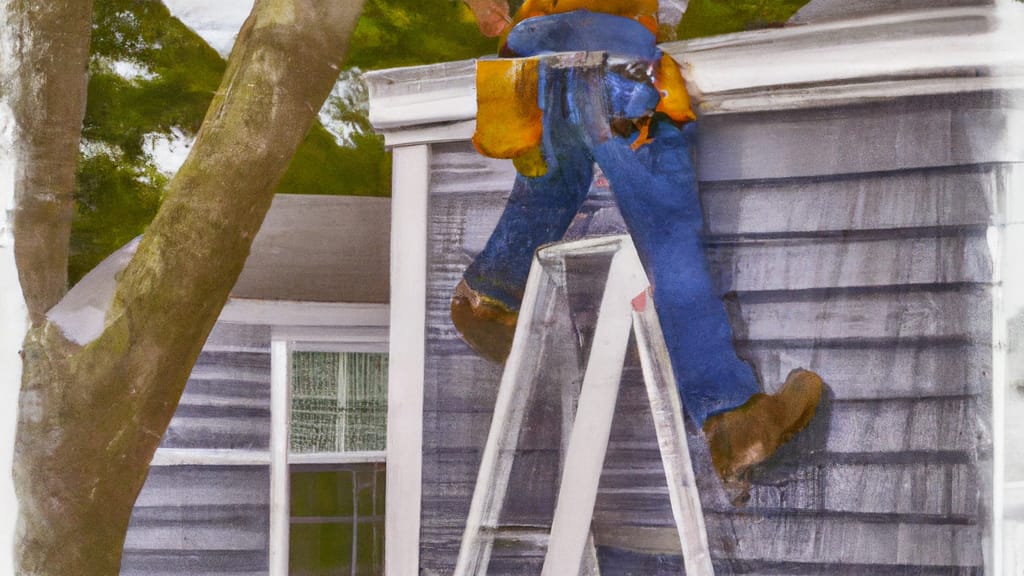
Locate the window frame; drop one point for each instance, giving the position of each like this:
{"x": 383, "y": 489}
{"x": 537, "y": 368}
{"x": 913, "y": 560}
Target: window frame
{"x": 337, "y": 328}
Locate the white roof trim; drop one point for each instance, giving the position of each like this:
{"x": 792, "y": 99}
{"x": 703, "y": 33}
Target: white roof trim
{"x": 934, "y": 51}
{"x": 295, "y": 313}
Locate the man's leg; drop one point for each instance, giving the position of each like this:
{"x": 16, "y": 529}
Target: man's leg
{"x": 656, "y": 189}
{"x": 539, "y": 210}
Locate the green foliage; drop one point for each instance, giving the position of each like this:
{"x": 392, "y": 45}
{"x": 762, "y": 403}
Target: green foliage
{"x": 711, "y": 17}
{"x": 172, "y": 77}
{"x": 171, "y": 82}
{"x": 395, "y": 33}
{"x": 183, "y": 71}
{"x": 115, "y": 201}
{"x": 323, "y": 167}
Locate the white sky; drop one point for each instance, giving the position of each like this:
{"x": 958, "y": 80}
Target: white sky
{"x": 216, "y": 21}
{"x": 12, "y": 332}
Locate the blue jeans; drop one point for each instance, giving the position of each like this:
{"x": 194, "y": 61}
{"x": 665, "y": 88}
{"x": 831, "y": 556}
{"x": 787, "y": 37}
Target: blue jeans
{"x": 655, "y": 187}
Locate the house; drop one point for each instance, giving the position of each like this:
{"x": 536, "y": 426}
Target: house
{"x": 312, "y": 300}
{"x": 861, "y": 177}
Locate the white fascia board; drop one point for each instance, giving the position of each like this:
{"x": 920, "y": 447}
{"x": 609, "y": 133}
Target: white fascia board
{"x": 294, "y": 313}
{"x": 420, "y": 95}
{"x": 333, "y": 339}
{"x": 934, "y": 51}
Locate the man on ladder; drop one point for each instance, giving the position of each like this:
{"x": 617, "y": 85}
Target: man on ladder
{"x": 632, "y": 117}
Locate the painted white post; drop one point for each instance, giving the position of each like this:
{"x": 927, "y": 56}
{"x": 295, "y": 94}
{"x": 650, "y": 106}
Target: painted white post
{"x": 405, "y": 378}
{"x": 280, "y": 416}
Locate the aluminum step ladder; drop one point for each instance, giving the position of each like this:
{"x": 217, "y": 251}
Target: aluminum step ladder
{"x": 626, "y": 307}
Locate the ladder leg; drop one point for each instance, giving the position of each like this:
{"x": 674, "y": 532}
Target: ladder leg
{"x": 588, "y": 442}
{"x": 590, "y": 565}
{"x": 667, "y": 411}
{"x": 517, "y": 382}
{"x": 571, "y": 379}
{"x": 570, "y": 376}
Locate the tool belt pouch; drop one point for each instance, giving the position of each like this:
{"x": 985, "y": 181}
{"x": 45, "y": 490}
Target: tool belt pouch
{"x": 508, "y": 117}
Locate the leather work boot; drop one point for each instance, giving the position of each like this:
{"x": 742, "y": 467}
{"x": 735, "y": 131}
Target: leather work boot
{"x": 746, "y": 436}
{"x": 484, "y": 323}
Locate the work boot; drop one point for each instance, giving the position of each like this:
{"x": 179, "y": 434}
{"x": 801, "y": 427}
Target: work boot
{"x": 484, "y": 323}
{"x": 746, "y": 436}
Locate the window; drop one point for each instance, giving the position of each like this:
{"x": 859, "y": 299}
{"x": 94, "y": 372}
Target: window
{"x": 328, "y": 433}
{"x": 336, "y": 468}
{"x": 274, "y": 462}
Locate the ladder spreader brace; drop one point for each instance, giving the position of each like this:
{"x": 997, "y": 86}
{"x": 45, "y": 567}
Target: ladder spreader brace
{"x": 626, "y": 307}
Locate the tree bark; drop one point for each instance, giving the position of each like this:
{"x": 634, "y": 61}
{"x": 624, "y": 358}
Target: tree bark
{"x": 92, "y": 416}
{"x": 51, "y": 48}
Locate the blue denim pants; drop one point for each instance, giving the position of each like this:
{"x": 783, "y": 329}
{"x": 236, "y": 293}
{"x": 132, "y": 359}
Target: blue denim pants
{"x": 656, "y": 190}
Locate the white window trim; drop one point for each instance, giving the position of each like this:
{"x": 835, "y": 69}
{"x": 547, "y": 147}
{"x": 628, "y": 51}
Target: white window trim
{"x": 338, "y": 328}
{"x": 321, "y": 326}
{"x": 280, "y": 403}
{"x": 297, "y": 326}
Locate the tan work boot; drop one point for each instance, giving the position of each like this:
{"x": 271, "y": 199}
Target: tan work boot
{"x": 484, "y": 323}
{"x": 746, "y": 436}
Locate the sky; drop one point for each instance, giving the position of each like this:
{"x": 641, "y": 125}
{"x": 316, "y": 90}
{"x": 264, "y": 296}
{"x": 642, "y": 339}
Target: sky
{"x": 217, "y": 22}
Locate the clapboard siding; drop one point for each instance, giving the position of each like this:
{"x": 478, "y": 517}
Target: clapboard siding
{"x": 926, "y": 367}
{"x": 865, "y": 369}
{"x": 231, "y": 527}
{"x": 849, "y": 241}
{"x": 820, "y": 538}
{"x": 949, "y": 196}
{"x": 229, "y": 336}
{"x": 910, "y": 488}
{"x": 927, "y": 256}
{"x": 856, "y": 427}
{"x": 207, "y": 520}
{"x": 200, "y": 520}
{"x": 844, "y": 262}
{"x": 619, "y": 561}
{"x": 859, "y": 315}
{"x": 905, "y": 133}
{"x": 206, "y": 486}
{"x": 162, "y": 563}
{"x": 226, "y": 403}
{"x": 954, "y": 196}
{"x": 930, "y": 490}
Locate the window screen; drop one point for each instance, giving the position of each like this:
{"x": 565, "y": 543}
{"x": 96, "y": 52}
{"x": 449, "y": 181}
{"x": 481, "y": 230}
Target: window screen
{"x": 339, "y": 401}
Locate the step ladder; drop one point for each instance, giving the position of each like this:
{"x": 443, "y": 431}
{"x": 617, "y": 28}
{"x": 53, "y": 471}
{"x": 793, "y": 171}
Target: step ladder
{"x": 626, "y": 307}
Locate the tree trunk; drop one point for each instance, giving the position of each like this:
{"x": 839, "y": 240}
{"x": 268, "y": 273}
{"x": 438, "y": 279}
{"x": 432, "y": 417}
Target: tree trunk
{"x": 92, "y": 416}
{"x": 51, "y": 49}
